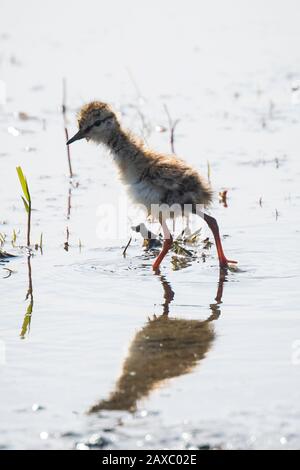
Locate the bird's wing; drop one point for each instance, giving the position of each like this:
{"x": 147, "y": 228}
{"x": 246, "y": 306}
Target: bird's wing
{"x": 168, "y": 173}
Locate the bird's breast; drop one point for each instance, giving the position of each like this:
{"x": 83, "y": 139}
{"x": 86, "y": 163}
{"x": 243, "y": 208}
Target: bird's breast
{"x": 145, "y": 193}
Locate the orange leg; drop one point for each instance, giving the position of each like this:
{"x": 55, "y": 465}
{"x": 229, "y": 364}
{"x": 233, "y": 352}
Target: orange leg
{"x": 213, "y": 225}
{"x": 168, "y": 240}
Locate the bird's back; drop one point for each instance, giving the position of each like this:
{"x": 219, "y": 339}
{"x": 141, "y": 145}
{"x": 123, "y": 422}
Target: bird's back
{"x": 169, "y": 180}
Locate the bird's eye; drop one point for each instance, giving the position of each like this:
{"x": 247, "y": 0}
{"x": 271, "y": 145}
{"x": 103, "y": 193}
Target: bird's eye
{"x": 97, "y": 123}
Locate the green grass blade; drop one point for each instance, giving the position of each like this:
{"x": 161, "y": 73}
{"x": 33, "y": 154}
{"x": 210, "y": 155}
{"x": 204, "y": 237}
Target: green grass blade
{"x": 24, "y": 184}
{"x": 25, "y": 204}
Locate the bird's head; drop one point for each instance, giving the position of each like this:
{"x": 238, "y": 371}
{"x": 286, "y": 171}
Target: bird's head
{"x": 96, "y": 121}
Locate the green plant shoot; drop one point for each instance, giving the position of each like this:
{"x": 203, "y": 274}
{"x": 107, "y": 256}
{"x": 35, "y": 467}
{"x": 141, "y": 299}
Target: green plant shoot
{"x": 26, "y": 198}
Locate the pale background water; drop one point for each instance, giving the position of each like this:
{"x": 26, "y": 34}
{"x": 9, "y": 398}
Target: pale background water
{"x": 227, "y": 70}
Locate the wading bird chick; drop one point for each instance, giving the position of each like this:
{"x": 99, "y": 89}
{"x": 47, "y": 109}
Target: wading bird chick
{"x": 153, "y": 179}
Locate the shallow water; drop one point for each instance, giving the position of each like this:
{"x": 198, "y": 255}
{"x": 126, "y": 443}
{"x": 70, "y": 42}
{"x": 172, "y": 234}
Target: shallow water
{"x": 229, "y": 79}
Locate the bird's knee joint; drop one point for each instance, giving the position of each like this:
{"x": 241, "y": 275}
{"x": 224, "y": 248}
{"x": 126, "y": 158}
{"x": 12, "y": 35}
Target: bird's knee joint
{"x": 168, "y": 242}
{"x": 211, "y": 221}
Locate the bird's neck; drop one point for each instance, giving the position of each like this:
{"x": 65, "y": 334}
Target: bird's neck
{"x": 129, "y": 154}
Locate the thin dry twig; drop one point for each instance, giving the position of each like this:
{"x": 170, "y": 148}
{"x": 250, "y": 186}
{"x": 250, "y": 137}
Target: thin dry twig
{"x": 66, "y": 244}
{"x": 10, "y": 272}
{"x": 223, "y": 197}
{"x": 135, "y": 85}
{"x": 172, "y": 127}
{"x": 208, "y": 172}
{"x": 64, "y": 113}
{"x": 125, "y": 249}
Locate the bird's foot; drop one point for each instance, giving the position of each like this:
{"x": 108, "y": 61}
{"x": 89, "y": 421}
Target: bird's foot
{"x": 156, "y": 266}
{"x": 166, "y": 246}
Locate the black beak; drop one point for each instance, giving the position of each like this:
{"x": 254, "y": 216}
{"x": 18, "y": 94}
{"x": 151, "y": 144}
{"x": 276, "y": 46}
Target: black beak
{"x": 80, "y": 135}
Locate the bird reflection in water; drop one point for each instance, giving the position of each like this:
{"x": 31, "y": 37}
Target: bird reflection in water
{"x": 163, "y": 349}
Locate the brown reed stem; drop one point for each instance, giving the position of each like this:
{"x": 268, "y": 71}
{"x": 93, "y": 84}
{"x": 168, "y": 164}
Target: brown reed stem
{"x": 172, "y": 127}
{"x": 64, "y": 113}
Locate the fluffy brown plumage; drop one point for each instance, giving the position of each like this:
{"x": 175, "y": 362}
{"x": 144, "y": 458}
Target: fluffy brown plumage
{"x": 152, "y": 178}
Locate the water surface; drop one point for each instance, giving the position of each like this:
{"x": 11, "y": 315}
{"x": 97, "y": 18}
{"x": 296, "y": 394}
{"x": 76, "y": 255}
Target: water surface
{"x": 112, "y": 355}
